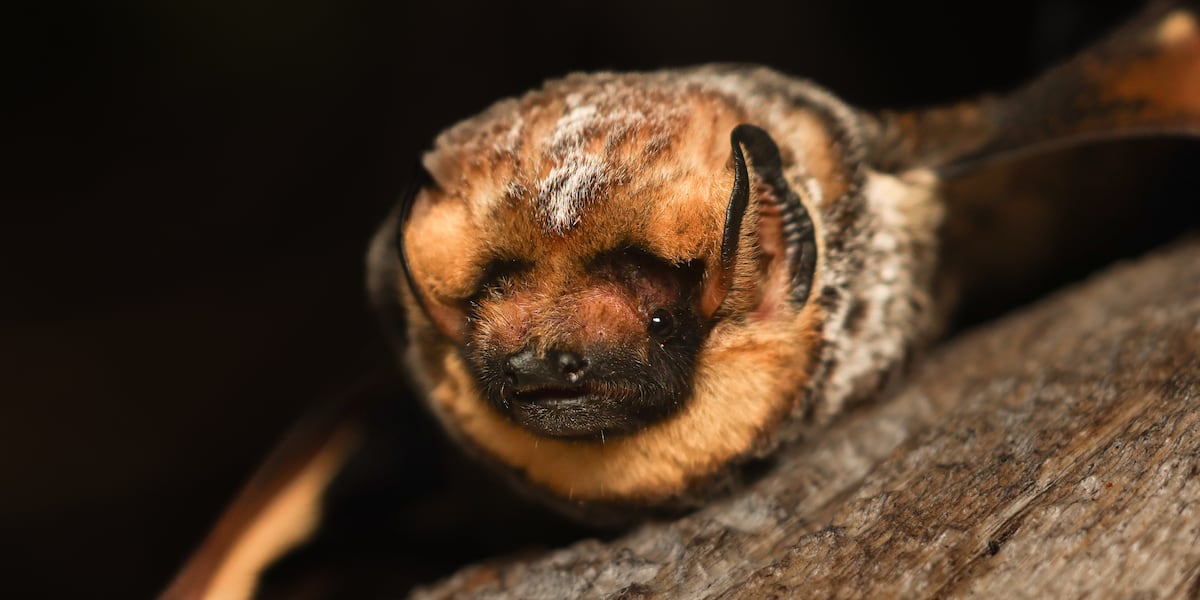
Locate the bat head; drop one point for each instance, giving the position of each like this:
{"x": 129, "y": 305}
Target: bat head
{"x": 606, "y": 283}
{"x": 564, "y": 249}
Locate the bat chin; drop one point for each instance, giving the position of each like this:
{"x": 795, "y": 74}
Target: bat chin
{"x": 576, "y": 413}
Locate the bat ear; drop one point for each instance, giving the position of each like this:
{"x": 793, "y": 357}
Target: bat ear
{"x": 784, "y": 226}
{"x": 1143, "y": 79}
{"x": 387, "y": 261}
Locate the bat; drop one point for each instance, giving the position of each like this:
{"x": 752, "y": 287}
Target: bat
{"x": 621, "y": 288}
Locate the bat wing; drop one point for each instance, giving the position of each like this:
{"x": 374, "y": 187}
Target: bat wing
{"x": 278, "y": 509}
{"x": 1143, "y": 79}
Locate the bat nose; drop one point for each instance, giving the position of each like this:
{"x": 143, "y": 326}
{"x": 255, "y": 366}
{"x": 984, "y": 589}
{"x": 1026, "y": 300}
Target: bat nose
{"x": 570, "y": 365}
{"x": 555, "y": 368}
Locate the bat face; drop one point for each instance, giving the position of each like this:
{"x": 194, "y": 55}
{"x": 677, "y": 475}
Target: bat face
{"x": 586, "y": 346}
{"x": 573, "y": 322}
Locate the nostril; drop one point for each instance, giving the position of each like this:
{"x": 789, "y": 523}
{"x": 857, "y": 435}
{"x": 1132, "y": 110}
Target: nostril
{"x": 571, "y": 365}
{"x": 518, "y": 367}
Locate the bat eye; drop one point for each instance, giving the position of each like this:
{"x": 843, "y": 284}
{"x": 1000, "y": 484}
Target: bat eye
{"x": 497, "y": 276}
{"x": 661, "y": 323}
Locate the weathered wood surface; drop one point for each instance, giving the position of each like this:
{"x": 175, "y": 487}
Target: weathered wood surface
{"x": 1054, "y": 453}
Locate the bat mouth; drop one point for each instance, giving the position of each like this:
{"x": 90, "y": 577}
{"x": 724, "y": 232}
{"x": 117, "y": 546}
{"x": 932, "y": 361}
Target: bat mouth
{"x": 581, "y": 412}
{"x": 552, "y": 396}
{"x": 557, "y": 411}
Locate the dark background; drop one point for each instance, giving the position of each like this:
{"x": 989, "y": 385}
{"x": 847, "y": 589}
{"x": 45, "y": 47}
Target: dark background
{"x": 191, "y": 186}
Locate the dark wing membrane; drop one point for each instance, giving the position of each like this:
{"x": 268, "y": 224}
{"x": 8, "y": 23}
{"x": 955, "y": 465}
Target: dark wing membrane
{"x": 1143, "y": 79}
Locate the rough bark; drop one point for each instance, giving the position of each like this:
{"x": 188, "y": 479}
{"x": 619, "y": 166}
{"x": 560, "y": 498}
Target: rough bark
{"x": 1053, "y": 453}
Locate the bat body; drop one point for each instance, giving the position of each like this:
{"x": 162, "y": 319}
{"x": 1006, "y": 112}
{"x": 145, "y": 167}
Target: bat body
{"x": 599, "y": 218}
{"x": 618, "y": 289}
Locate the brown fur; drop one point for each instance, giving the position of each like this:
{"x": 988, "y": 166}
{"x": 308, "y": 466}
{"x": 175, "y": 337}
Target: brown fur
{"x": 751, "y": 369}
{"x": 675, "y": 209}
